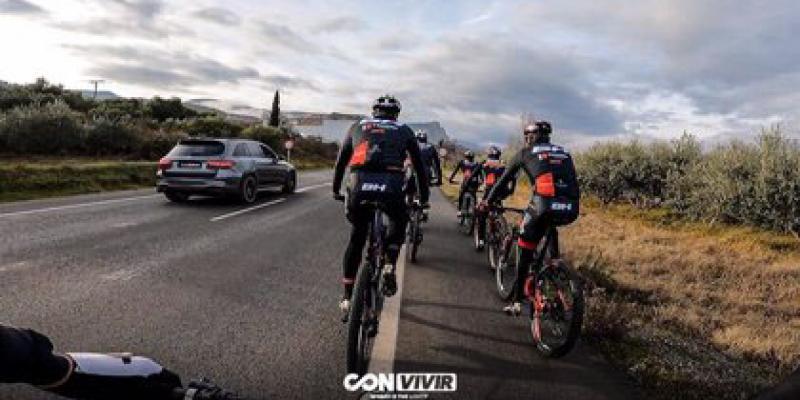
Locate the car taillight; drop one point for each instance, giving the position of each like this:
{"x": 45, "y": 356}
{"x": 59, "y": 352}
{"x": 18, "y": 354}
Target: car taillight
{"x": 220, "y": 164}
{"x": 164, "y": 163}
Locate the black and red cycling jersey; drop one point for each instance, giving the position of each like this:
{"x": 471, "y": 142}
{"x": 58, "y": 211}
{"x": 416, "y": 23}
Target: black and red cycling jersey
{"x": 491, "y": 170}
{"x": 470, "y": 170}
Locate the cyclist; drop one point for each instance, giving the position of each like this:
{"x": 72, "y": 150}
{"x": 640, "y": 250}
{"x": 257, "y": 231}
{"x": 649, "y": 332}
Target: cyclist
{"x": 491, "y": 170}
{"x": 554, "y": 199}
{"x": 470, "y": 181}
{"x": 27, "y": 356}
{"x": 375, "y": 150}
{"x": 430, "y": 156}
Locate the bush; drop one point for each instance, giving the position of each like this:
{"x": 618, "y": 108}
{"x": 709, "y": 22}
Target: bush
{"x": 213, "y": 126}
{"x": 271, "y": 136}
{"x": 49, "y": 129}
{"x": 106, "y": 137}
{"x": 755, "y": 184}
{"x": 157, "y": 144}
{"x": 164, "y": 109}
{"x": 634, "y": 171}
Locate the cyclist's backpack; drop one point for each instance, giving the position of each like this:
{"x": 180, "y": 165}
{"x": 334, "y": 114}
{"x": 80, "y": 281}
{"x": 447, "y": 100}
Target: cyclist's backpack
{"x": 556, "y": 186}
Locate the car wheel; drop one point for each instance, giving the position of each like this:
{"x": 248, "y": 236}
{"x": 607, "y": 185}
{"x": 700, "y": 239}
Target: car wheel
{"x": 290, "y": 184}
{"x": 248, "y": 192}
{"x": 177, "y": 197}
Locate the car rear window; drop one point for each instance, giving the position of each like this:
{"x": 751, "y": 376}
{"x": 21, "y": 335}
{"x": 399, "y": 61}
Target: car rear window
{"x": 197, "y": 149}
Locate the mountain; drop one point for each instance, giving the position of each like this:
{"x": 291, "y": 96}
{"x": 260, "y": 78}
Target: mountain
{"x": 101, "y": 94}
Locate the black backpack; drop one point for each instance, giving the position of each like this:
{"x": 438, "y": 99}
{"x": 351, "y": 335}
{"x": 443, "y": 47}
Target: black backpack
{"x": 556, "y": 186}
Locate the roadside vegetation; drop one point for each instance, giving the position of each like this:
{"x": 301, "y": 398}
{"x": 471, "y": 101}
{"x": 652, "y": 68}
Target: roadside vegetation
{"x": 689, "y": 303}
{"x": 54, "y": 141}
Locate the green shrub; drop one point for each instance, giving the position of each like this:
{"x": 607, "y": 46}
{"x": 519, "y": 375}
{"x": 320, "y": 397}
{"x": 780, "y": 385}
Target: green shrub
{"x": 755, "y": 184}
{"x": 271, "y": 136}
{"x": 107, "y": 137}
{"x": 634, "y": 171}
{"x": 50, "y": 129}
{"x": 213, "y": 126}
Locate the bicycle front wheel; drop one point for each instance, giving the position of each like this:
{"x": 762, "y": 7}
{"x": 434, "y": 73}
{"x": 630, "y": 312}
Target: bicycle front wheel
{"x": 557, "y": 309}
{"x": 362, "y": 315}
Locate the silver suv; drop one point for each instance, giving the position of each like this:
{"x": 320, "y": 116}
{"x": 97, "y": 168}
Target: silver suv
{"x": 223, "y": 167}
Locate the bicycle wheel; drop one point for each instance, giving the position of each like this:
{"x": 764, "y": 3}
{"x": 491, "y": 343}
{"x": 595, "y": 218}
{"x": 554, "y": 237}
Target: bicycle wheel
{"x": 496, "y": 230}
{"x": 359, "y": 342}
{"x": 478, "y": 241}
{"x": 507, "y": 265}
{"x": 557, "y": 308}
{"x": 414, "y": 236}
{"x": 468, "y": 214}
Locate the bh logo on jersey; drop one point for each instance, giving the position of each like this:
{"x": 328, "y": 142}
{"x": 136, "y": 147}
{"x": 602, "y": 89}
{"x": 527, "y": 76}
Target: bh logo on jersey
{"x": 397, "y": 386}
{"x": 373, "y": 187}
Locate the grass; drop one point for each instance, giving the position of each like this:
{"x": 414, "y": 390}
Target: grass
{"x": 686, "y": 309}
{"x": 48, "y": 177}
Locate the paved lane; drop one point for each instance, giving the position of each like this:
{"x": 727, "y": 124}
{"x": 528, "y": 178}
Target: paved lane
{"x": 451, "y": 322}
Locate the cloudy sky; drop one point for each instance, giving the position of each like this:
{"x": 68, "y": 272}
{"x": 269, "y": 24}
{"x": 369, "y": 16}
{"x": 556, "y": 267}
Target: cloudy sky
{"x": 596, "y": 69}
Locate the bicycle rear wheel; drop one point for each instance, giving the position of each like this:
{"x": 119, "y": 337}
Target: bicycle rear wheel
{"x": 467, "y": 222}
{"x": 496, "y": 229}
{"x": 557, "y": 308}
{"x": 414, "y": 236}
{"x": 506, "y": 267}
{"x": 359, "y": 342}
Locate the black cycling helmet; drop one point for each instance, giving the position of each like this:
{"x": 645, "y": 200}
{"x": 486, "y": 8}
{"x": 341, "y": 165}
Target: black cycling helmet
{"x": 539, "y": 131}
{"x": 469, "y": 155}
{"x": 386, "y": 106}
{"x": 494, "y": 153}
{"x": 421, "y": 136}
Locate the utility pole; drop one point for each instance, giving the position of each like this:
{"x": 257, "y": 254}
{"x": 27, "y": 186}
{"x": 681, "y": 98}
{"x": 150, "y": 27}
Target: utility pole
{"x": 96, "y": 82}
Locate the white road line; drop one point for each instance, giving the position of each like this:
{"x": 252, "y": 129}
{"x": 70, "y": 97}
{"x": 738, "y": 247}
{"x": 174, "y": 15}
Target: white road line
{"x": 245, "y": 210}
{"x": 72, "y": 206}
{"x": 267, "y": 204}
{"x": 312, "y": 187}
{"x": 385, "y": 346}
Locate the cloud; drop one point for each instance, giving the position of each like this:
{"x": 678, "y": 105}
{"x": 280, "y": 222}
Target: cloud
{"x": 157, "y": 68}
{"x": 218, "y": 15}
{"x": 285, "y": 37}
{"x": 340, "y": 24}
{"x": 20, "y": 7}
{"x": 277, "y": 81}
{"x": 131, "y": 19}
{"x": 483, "y": 96}
{"x": 143, "y": 10}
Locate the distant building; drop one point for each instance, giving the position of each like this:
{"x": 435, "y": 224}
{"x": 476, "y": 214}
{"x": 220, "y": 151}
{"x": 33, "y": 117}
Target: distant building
{"x": 331, "y": 126}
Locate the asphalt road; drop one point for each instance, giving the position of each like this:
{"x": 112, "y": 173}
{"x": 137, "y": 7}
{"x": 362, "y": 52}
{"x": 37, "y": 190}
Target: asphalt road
{"x": 248, "y": 298}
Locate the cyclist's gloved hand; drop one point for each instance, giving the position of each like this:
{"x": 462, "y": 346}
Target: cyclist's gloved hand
{"x": 123, "y": 377}
{"x": 205, "y": 390}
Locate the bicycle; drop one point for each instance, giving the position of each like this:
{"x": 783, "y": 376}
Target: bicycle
{"x": 414, "y": 235}
{"x": 368, "y": 296}
{"x": 554, "y": 293}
